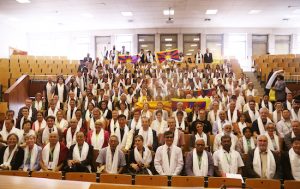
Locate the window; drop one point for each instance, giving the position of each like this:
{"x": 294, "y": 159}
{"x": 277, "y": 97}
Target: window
{"x": 103, "y": 46}
{"x": 282, "y": 44}
{"x": 214, "y": 43}
{"x": 146, "y": 42}
{"x": 168, "y": 41}
{"x": 259, "y": 45}
{"x": 191, "y": 42}
{"x": 81, "y": 48}
{"x": 124, "y": 41}
{"x": 237, "y": 47}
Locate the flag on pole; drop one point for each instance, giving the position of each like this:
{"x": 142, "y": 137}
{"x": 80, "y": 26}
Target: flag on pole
{"x": 128, "y": 59}
{"x": 168, "y": 55}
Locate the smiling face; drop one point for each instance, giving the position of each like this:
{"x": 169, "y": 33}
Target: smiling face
{"x": 12, "y": 140}
{"x": 80, "y": 138}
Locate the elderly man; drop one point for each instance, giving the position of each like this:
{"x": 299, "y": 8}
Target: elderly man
{"x": 262, "y": 162}
{"x": 80, "y": 157}
{"x": 111, "y": 160}
{"x": 295, "y": 133}
{"x": 168, "y": 158}
{"x": 54, "y": 154}
{"x": 178, "y": 134}
{"x": 259, "y": 125}
{"x": 250, "y": 112}
{"x": 199, "y": 162}
{"x": 227, "y": 130}
{"x": 9, "y": 129}
{"x": 290, "y": 161}
{"x": 227, "y": 160}
{"x": 218, "y": 125}
{"x": 149, "y": 135}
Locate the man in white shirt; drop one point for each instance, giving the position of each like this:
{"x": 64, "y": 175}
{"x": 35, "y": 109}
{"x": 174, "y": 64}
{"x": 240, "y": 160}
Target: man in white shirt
{"x": 284, "y": 126}
{"x": 168, "y": 158}
{"x": 227, "y": 160}
{"x": 9, "y": 129}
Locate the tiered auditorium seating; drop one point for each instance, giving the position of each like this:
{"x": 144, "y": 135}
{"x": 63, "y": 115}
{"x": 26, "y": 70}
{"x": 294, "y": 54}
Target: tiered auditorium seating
{"x": 290, "y": 63}
{"x": 17, "y": 65}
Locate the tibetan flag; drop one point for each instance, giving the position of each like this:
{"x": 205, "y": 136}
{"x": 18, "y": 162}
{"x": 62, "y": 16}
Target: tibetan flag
{"x": 128, "y": 59}
{"x": 188, "y": 104}
{"x": 168, "y": 55}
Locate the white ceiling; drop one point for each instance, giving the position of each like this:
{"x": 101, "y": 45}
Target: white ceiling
{"x": 52, "y": 15}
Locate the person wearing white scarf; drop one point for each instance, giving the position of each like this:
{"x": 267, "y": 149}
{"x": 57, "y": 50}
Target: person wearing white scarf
{"x": 149, "y": 135}
{"x": 226, "y": 159}
{"x": 11, "y": 156}
{"x": 199, "y": 162}
{"x": 220, "y": 121}
{"x": 111, "y": 159}
{"x": 273, "y": 139}
{"x": 284, "y": 126}
{"x": 140, "y": 158}
{"x": 178, "y": 134}
{"x": 40, "y": 123}
{"x": 291, "y": 163}
{"x": 9, "y": 129}
{"x": 71, "y": 111}
{"x": 159, "y": 124}
{"x": 32, "y": 155}
{"x": 168, "y": 158}
{"x": 262, "y": 162}
{"x": 258, "y": 126}
{"x": 99, "y": 137}
{"x": 122, "y": 131}
{"x": 180, "y": 122}
{"x": 136, "y": 122}
{"x": 199, "y": 135}
{"x": 80, "y": 158}
{"x": 227, "y": 130}
{"x": 295, "y": 112}
{"x": 96, "y": 116}
{"x": 71, "y": 133}
{"x": 43, "y": 134}
{"x": 232, "y": 113}
{"x": 53, "y": 154}
{"x": 246, "y": 142}
{"x": 265, "y": 103}
{"x": 114, "y": 121}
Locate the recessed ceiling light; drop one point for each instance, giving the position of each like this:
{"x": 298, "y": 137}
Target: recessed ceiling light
{"x": 211, "y": 11}
{"x": 23, "y": 1}
{"x": 188, "y": 54}
{"x": 144, "y": 45}
{"x": 127, "y": 13}
{"x": 168, "y": 12}
{"x": 168, "y": 39}
{"x": 168, "y": 45}
{"x": 141, "y": 39}
{"x": 285, "y": 19}
{"x": 194, "y": 45}
{"x": 254, "y": 11}
{"x": 87, "y": 15}
{"x": 191, "y": 50}
{"x": 196, "y": 39}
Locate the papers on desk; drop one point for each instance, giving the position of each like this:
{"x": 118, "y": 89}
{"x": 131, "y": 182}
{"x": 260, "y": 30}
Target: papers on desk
{"x": 235, "y": 176}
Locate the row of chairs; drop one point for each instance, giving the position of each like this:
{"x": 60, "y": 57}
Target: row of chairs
{"x": 157, "y": 180}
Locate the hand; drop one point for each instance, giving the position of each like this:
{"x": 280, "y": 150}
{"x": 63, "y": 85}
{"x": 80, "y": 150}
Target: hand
{"x": 70, "y": 163}
{"x": 135, "y": 167}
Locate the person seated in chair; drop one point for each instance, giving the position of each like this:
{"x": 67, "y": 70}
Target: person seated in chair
{"x": 111, "y": 159}
{"x": 290, "y": 161}
{"x": 80, "y": 156}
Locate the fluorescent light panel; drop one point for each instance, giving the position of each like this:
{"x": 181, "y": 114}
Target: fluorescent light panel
{"x": 168, "y": 45}
{"x": 168, "y": 39}
{"x": 23, "y": 1}
{"x": 196, "y": 39}
{"x": 254, "y": 11}
{"x": 168, "y": 12}
{"x": 127, "y": 13}
{"x": 141, "y": 39}
{"x": 191, "y": 50}
{"x": 144, "y": 45}
{"x": 194, "y": 45}
{"x": 211, "y": 11}
{"x": 188, "y": 54}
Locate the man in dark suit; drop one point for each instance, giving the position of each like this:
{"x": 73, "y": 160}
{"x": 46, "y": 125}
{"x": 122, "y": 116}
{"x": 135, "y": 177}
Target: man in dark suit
{"x": 87, "y": 58}
{"x": 290, "y": 159}
{"x": 262, "y": 162}
{"x": 208, "y": 59}
{"x": 32, "y": 110}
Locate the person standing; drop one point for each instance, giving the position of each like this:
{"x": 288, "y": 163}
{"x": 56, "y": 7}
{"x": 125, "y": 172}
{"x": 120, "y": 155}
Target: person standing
{"x": 208, "y": 59}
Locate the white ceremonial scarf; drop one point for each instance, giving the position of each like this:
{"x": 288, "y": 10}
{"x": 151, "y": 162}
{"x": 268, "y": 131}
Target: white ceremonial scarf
{"x": 195, "y": 117}
{"x": 146, "y": 159}
{"x": 147, "y": 136}
{"x": 38, "y": 105}
{"x": 234, "y": 116}
{"x": 113, "y": 125}
{"x": 45, "y": 135}
{"x": 294, "y": 115}
{"x": 87, "y": 115}
{"x": 33, "y": 157}
{"x": 263, "y": 105}
{"x": 70, "y": 140}
{"x": 245, "y": 146}
{"x": 288, "y": 105}
{"x": 275, "y": 117}
{"x": 136, "y": 125}
{"x": 84, "y": 153}
{"x": 176, "y": 137}
{"x": 146, "y": 114}
{"x": 261, "y": 126}
{"x": 202, "y": 136}
{"x": 62, "y": 125}
{"x": 270, "y": 142}
{"x": 271, "y": 164}
{"x": 51, "y": 112}
{"x": 181, "y": 125}
{"x": 37, "y": 126}
{"x": 252, "y": 116}
{"x": 97, "y": 141}
{"x": 212, "y": 116}
{"x": 242, "y": 126}
{"x": 45, "y": 155}
{"x": 228, "y": 162}
{"x": 168, "y": 167}
{"x": 69, "y": 117}
{"x": 92, "y": 124}
{"x": 126, "y": 113}
{"x": 112, "y": 163}
{"x": 118, "y": 134}
{"x": 7, "y": 157}
{"x": 159, "y": 127}
{"x": 295, "y": 164}
{"x": 220, "y": 125}
{"x": 104, "y": 114}
{"x": 204, "y": 164}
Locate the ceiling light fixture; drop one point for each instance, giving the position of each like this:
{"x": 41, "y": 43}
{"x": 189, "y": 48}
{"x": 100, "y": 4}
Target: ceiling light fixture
{"x": 168, "y": 45}
{"x": 126, "y": 13}
{"x": 196, "y": 39}
{"x": 23, "y": 1}
{"x": 169, "y": 12}
{"x": 211, "y": 11}
{"x": 194, "y": 45}
{"x": 168, "y": 39}
{"x": 188, "y": 54}
{"x": 141, "y": 39}
{"x": 254, "y": 12}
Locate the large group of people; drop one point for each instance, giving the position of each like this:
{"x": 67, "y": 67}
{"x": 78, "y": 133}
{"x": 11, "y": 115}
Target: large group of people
{"x": 96, "y": 112}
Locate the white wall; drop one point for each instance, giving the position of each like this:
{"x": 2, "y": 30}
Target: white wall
{"x": 10, "y": 37}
